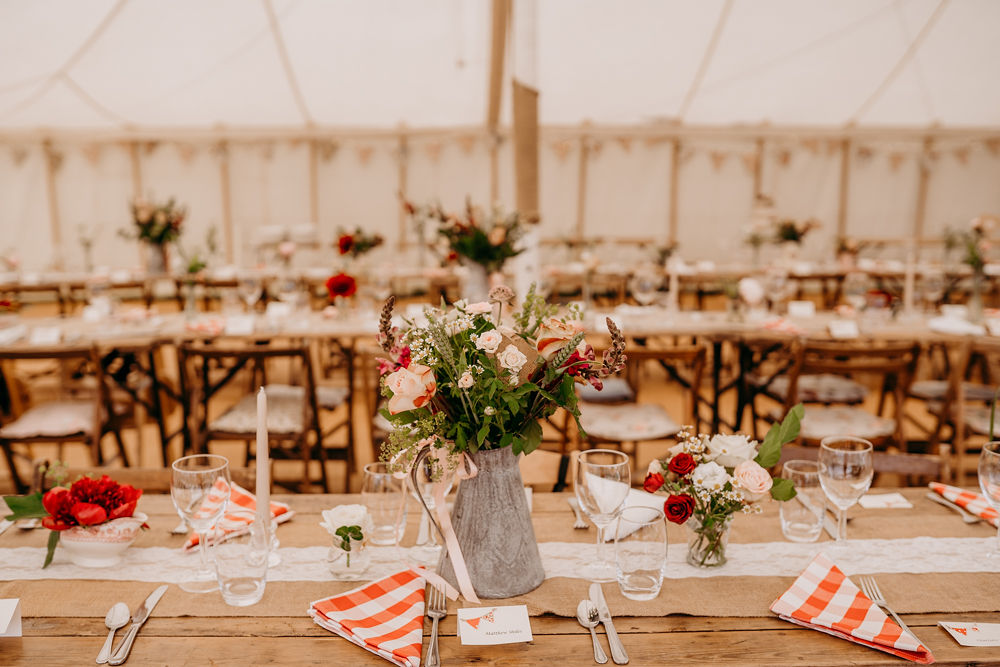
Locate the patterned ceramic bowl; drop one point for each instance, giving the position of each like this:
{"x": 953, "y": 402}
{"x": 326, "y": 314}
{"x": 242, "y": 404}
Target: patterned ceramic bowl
{"x": 102, "y": 545}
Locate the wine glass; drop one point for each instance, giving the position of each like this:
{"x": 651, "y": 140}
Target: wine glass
{"x": 855, "y": 290}
{"x": 199, "y": 487}
{"x": 644, "y": 285}
{"x": 989, "y": 482}
{"x": 935, "y": 283}
{"x": 602, "y": 482}
{"x": 250, "y": 290}
{"x": 845, "y": 473}
{"x": 427, "y": 549}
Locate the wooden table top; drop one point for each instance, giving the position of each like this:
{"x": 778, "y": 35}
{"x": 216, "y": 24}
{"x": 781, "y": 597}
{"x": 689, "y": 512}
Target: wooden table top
{"x": 73, "y": 636}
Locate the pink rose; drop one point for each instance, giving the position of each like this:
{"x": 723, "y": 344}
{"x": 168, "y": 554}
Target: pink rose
{"x": 751, "y": 477}
{"x": 480, "y": 308}
{"x": 554, "y": 335}
{"x": 411, "y": 388}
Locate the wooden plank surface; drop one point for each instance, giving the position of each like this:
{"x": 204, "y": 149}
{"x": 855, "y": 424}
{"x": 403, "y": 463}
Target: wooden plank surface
{"x": 73, "y": 638}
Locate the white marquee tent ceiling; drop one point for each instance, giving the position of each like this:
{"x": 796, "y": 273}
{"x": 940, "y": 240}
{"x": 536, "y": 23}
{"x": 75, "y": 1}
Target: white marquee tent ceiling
{"x": 200, "y": 64}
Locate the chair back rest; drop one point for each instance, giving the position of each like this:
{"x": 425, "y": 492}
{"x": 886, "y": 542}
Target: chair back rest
{"x": 930, "y": 467}
{"x": 69, "y": 359}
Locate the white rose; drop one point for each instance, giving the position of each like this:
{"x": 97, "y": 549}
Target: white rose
{"x": 347, "y": 515}
{"x": 710, "y": 476}
{"x": 750, "y": 291}
{"x": 512, "y": 359}
{"x": 480, "y": 308}
{"x": 489, "y": 341}
{"x": 731, "y": 450}
{"x": 466, "y": 380}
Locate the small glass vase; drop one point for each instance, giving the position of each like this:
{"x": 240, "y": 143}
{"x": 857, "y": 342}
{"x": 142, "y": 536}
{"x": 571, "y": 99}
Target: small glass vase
{"x": 707, "y": 544}
{"x": 975, "y": 305}
{"x": 349, "y": 565}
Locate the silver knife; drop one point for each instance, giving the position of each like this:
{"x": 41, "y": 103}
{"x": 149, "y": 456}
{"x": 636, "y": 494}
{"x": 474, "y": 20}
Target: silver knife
{"x": 138, "y": 618}
{"x": 618, "y": 653}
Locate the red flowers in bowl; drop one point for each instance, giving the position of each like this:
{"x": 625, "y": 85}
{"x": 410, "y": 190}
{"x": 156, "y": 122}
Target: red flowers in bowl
{"x": 341, "y": 285}
{"x": 88, "y": 502}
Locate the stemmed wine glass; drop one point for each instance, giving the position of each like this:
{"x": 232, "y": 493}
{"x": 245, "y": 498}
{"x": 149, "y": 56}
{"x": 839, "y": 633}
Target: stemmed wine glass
{"x": 250, "y": 290}
{"x": 845, "y": 473}
{"x": 199, "y": 487}
{"x": 427, "y": 549}
{"x": 644, "y": 285}
{"x": 989, "y": 482}
{"x": 603, "y": 478}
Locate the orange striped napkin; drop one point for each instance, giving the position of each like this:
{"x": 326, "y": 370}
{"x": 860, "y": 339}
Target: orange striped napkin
{"x": 973, "y": 502}
{"x": 235, "y": 522}
{"x": 823, "y": 599}
{"x": 385, "y": 617}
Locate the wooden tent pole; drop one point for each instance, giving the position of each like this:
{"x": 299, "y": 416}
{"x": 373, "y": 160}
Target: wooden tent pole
{"x": 402, "y": 154}
{"x": 494, "y": 140}
{"x": 845, "y": 179}
{"x": 136, "y": 164}
{"x": 313, "y": 183}
{"x": 675, "y": 165}
{"x": 498, "y": 46}
{"x": 758, "y": 167}
{"x": 923, "y": 183}
{"x": 55, "y": 226}
{"x": 226, "y": 197}
{"x": 581, "y": 186}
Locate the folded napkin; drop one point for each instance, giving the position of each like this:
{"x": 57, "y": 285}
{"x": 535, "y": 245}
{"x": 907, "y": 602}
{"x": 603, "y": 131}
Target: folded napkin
{"x": 385, "y": 617}
{"x": 972, "y": 502}
{"x": 635, "y": 498}
{"x": 234, "y": 522}
{"x": 782, "y": 325}
{"x": 823, "y": 599}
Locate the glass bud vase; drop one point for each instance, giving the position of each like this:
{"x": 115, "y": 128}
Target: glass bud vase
{"x": 707, "y": 544}
{"x": 349, "y": 565}
{"x": 975, "y": 306}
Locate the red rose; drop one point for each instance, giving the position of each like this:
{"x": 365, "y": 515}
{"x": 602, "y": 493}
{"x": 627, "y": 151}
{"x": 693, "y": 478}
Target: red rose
{"x": 341, "y": 285}
{"x": 345, "y": 243}
{"x": 678, "y": 508}
{"x": 682, "y": 464}
{"x": 654, "y": 481}
{"x": 89, "y": 514}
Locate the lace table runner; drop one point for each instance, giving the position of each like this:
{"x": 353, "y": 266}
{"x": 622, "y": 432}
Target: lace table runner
{"x": 917, "y": 555}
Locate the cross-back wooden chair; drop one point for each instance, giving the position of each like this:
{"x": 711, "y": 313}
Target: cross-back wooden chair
{"x": 208, "y": 371}
{"x": 82, "y": 418}
{"x": 918, "y": 468}
{"x": 335, "y": 395}
{"x": 892, "y": 362}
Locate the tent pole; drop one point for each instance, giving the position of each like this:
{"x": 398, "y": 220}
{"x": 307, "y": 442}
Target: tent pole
{"x": 226, "y": 197}
{"x": 845, "y": 177}
{"x": 498, "y": 45}
{"x": 313, "y": 183}
{"x": 758, "y": 168}
{"x": 675, "y": 165}
{"x": 133, "y": 154}
{"x": 55, "y": 226}
{"x": 923, "y": 183}
{"x": 494, "y": 140}
{"x": 402, "y": 155}
{"x": 526, "y": 147}
{"x": 581, "y": 186}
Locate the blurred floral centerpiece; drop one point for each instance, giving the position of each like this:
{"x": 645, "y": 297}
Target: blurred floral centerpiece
{"x": 708, "y": 479}
{"x": 787, "y": 230}
{"x": 973, "y": 245}
{"x": 157, "y": 224}
{"x": 356, "y": 243}
{"x": 467, "y": 388}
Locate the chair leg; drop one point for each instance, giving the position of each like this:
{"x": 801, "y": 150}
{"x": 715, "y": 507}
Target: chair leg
{"x": 8, "y": 453}
{"x": 121, "y": 447}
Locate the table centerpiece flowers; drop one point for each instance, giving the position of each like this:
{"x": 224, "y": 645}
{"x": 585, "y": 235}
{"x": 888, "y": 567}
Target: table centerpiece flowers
{"x": 467, "y": 387}
{"x": 157, "y": 225}
{"x": 973, "y": 244}
{"x": 94, "y": 520}
{"x": 356, "y": 243}
{"x": 350, "y": 526}
{"x": 709, "y": 478}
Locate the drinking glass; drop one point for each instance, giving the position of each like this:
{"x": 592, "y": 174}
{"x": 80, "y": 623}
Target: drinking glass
{"x": 241, "y": 565}
{"x": 641, "y": 552}
{"x": 199, "y": 487}
{"x": 250, "y": 290}
{"x": 645, "y": 284}
{"x": 427, "y": 549}
{"x": 855, "y": 289}
{"x": 845, "y": 473}
{"x": 602, "y": 481}
{"x": 383, "y": 495}
{"x": 989, "y": 482}
{"x": 802, "y": 516}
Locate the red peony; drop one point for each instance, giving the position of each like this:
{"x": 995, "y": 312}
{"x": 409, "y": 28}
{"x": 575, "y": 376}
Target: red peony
{"x": 341, "y": 284}
{"x": 653, "y": 482}
{"x": 678, "y": 508}
{"x": 88, "y": 502}
{"x": 682, "y": 464}
{"x": 345, "y": 243}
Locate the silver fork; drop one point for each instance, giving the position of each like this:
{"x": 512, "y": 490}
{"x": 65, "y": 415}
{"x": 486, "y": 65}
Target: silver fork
{"x": 874, "y": 593}
{"x": 579, "y": 523}
{"x": 437, "y": 608}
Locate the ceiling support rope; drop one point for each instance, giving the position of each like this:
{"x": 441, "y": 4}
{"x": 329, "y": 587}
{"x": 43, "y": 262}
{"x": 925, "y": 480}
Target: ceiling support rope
{"x": 58, "y": 75}
{"x": 925, "y": 93}
{"x": 911, "y": 50}
{"x": 706, "y": 59}
{"x": 91, "y": 102}
{"x": 286, "y": 63}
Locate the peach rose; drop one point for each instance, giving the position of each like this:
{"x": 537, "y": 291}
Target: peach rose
{"x": 479, "y": 308}
{"x": 489, "y": 341}
{"x": 554, "y": 335}
{"x": 411, "y": 388}
{"x": 751, "y": 477}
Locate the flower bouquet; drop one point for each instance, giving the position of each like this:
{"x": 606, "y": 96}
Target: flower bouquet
{"x": 94, "y": 519}
{"x": 350, "y": 526}
{"x": 708, "y": 479}
{"x": 341, "y": 286}
{"x": 466, "y": 389}
{"x": 356, "y": 243}
{"x": 974, "y": 245}
{"x": 157, "y": 225}
{"x": 792, "y": 231}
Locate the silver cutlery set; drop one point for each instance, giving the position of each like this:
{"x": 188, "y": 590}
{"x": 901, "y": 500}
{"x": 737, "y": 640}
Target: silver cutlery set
{"x": 117, "y": 617}
{"x": 595, "y": 610}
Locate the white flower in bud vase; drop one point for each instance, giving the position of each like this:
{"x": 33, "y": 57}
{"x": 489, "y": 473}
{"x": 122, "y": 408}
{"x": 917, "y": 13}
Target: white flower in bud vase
{"x": 489, "y": 341}
{"x": 347, "y": 515}
{"x": 751, "y": 291}
{"x": 750, "y": 477}
{"x": 466, "y": 380}
{"x": 480, "y": 308}
{"x": 710, "y": 476}
{"x": 512, "y": 359}
{"x": 731, "y": 450}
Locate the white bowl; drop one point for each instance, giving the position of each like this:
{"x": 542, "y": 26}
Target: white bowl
{"x": 102, "y": 545}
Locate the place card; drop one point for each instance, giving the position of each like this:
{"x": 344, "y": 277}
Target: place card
{"x": 44, "y": 336}
{"x": 239, "y": 325}
{"x": 873, "y": 501}
{"x": 10, "y": 617}
{"x": 801, "y": 309}
{"x": 844, "y": 329}
{"x": 993, "y": 327}
{"x": 973, "y": 634}
{"x": 482, "y": 626}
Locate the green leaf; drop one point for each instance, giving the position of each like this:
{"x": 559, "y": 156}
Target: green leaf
{"x": 532, "y": 437}
{"x": 782, "y": 489}
{"x": 460, "y": 441}
{"x": 779, "y": 435}
{"x": 483, "y": 430}
{"x": 507, "y": 439}
{"x": 53, "y": 541}
{"x": 25, "y": 507}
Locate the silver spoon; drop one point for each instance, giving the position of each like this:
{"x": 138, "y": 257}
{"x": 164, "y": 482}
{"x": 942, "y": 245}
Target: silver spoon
{"x": 586, "y": 613}
{"x": 117, "y": 617}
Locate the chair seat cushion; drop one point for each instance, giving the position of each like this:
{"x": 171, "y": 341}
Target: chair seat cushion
{"x": 820, "y": 422}
{"x": 823, "y": 388}
{"x": 331, "y": 398}
{"x": 932, "y": 390}
{"x": 52, "y": 419}
{"x": 626, "y": 423}
{"x": 616, "y": 390}
{"x": 977, "y": 419}
{"x": 284, "y": 412}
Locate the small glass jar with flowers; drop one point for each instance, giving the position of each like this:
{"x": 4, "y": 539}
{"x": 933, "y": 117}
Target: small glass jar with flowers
{"x": 349, "y": 526}
{"x": 709, "y": 478}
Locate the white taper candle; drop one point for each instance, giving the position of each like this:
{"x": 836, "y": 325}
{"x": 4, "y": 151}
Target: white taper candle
{"x": 263, "y": 489}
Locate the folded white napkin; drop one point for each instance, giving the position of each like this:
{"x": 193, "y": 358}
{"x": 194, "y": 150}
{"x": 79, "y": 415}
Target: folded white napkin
{"x": 636, "y": 498}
